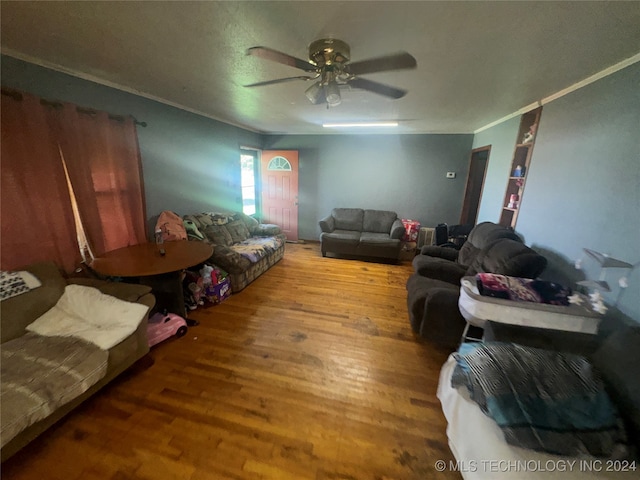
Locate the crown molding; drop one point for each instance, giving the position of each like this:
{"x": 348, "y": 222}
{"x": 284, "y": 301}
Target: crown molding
{"x": 576, "y": 86}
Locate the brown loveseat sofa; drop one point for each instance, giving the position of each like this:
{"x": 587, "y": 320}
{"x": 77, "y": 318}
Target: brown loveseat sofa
{"x": 434, "y": 289}
{"x": 29, "y": 351}
{"x": 365, "y": 233}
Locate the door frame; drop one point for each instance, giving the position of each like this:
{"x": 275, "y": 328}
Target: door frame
{"x": 467, "y": 199}
{"x": 293, "y": 232}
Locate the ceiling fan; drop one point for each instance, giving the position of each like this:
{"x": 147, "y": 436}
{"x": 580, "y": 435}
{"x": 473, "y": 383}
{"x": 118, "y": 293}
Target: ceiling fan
{"x": 329, "y": 64}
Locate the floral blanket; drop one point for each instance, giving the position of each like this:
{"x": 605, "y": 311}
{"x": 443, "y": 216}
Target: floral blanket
{"x": 255, "y": 248}
{"x": 522, "y": 289}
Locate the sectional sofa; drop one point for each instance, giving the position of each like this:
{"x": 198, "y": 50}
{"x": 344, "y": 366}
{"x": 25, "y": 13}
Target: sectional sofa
{"x": 44, "y": 377}
{"x": 242, "y": 246}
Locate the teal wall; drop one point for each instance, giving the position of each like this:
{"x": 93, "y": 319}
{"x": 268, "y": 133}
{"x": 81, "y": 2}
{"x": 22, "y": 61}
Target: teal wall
{"x": 190, "y": 163}
{"x": 403, "y": 173}
{"x": 582, "y": 188}
{"x": 583, "y": 184}
{"x": 502, "y": 139}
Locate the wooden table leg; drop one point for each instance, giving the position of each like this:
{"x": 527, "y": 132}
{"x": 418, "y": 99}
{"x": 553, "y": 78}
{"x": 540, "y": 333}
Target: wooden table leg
{"x": 167, "y": 289}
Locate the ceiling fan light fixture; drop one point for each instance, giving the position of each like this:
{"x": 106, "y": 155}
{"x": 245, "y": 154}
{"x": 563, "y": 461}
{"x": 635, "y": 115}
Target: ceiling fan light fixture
{"x": 314, "y": 92}
{"x": 360, "y": 124}
{"x": 329, "y": 60}
{"x": 332, "y": 94}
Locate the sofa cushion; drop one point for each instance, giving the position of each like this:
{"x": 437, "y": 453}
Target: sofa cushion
{"x": 218, "y": 235}
{"x": 348, "y": 218}
{"x": 200, "y": 220}
{"x": 266, "y": 230}
{"x": 433, "y": 310}
{"x": 250, "y": 222}
{"x": 382, "y": 238}
{"x": 439, "y": 269}
{"x": 255, "y": 248}
{"x": 482, "y": 235}
{"x": 436, "y": 251}
{"x": 508, "y": 257}
{"x": 40, "y": 374}
{"x": 378, "y": 221}
{"x": 238, "y": 231}
{"x": 344, "y": 236}
{"x": 129, "y": 292}
{"x": 229, "y": 260}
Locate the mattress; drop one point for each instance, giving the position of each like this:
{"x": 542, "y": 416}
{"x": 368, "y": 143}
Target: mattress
{"x": 478, "y": 309}
{"x": 481, "y": 453}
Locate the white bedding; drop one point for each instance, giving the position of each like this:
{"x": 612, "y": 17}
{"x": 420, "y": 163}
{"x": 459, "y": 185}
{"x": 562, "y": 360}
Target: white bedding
{"x": 478, "y": 445}
{"x": 86, "y": 313}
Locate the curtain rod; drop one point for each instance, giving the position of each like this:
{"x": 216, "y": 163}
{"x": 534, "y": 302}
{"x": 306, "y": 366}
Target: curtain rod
{"x": 17, "y": 95}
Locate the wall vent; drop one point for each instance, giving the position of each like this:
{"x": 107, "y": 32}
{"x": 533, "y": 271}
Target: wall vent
{"x": 426, "y": 236}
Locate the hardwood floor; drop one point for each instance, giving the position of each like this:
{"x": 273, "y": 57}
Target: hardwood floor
{"x": 311, "y": 372}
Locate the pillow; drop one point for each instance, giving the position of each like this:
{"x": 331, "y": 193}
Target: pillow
{"x": 238, "y": 231}
{"x": 218, "y": 235}
{"x": 250, "y": 222}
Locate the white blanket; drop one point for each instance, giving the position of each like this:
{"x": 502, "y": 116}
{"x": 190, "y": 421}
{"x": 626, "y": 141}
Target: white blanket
{"x": 87, "y": 313}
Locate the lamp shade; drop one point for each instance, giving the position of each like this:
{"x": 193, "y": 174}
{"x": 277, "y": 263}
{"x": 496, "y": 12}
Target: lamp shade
{"x": 332, "y": 94}
{"x": 314, "y": 93}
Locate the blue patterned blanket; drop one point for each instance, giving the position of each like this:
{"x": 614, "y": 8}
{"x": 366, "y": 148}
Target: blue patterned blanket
{"x": 542, "y": 400}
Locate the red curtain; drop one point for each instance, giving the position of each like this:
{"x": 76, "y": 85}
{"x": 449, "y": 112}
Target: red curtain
{"x": 36, "y": 216}
{"x": 103, "y": 161}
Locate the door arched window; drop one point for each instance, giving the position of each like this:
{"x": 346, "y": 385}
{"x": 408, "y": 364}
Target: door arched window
{"x": 279, "y": 163}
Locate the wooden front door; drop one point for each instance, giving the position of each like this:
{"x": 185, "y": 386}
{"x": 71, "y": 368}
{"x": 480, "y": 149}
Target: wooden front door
{"x": 475, "y": 183}
{"x": 279, "y": 186}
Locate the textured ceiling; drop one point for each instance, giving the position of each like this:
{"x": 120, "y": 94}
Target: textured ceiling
{"x": 477, "y": 61}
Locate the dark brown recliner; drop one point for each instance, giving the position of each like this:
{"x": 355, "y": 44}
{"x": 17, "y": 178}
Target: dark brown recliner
{"x": 433, "y": 290}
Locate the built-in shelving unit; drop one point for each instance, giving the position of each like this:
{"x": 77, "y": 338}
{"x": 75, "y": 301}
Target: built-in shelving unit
{"x": 520, "y": 167}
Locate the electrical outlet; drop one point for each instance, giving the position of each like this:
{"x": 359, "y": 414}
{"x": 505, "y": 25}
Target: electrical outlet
{"x": 451, "y": 174}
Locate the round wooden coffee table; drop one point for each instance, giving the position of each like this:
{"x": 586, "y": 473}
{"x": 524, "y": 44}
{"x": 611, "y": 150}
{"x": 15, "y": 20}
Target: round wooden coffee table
{"x": 144, "y": 263}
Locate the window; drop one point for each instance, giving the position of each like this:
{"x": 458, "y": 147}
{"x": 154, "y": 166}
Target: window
{"x": 279, "y": 163}
{"x": 248, "y": 165}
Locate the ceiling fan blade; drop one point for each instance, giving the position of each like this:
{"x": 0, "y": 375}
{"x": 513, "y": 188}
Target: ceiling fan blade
{"x": 275, "y": 56}
{"x": 379, "y": 88}
{"x": 398, "y": 61}
{"x": 280, "y": 80}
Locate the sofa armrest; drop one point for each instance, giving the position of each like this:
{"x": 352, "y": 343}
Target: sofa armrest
{"x": 129, "y": 292}
{"x": 266, "y": 230}
{"x": 442, "y": 322}
{"x": 508, "y": 257}
{"x": 447, "y": 253}
{"x": 327, "y": 224}
{"x": 397, "y": 229}
{"x": 438, "y": 269}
